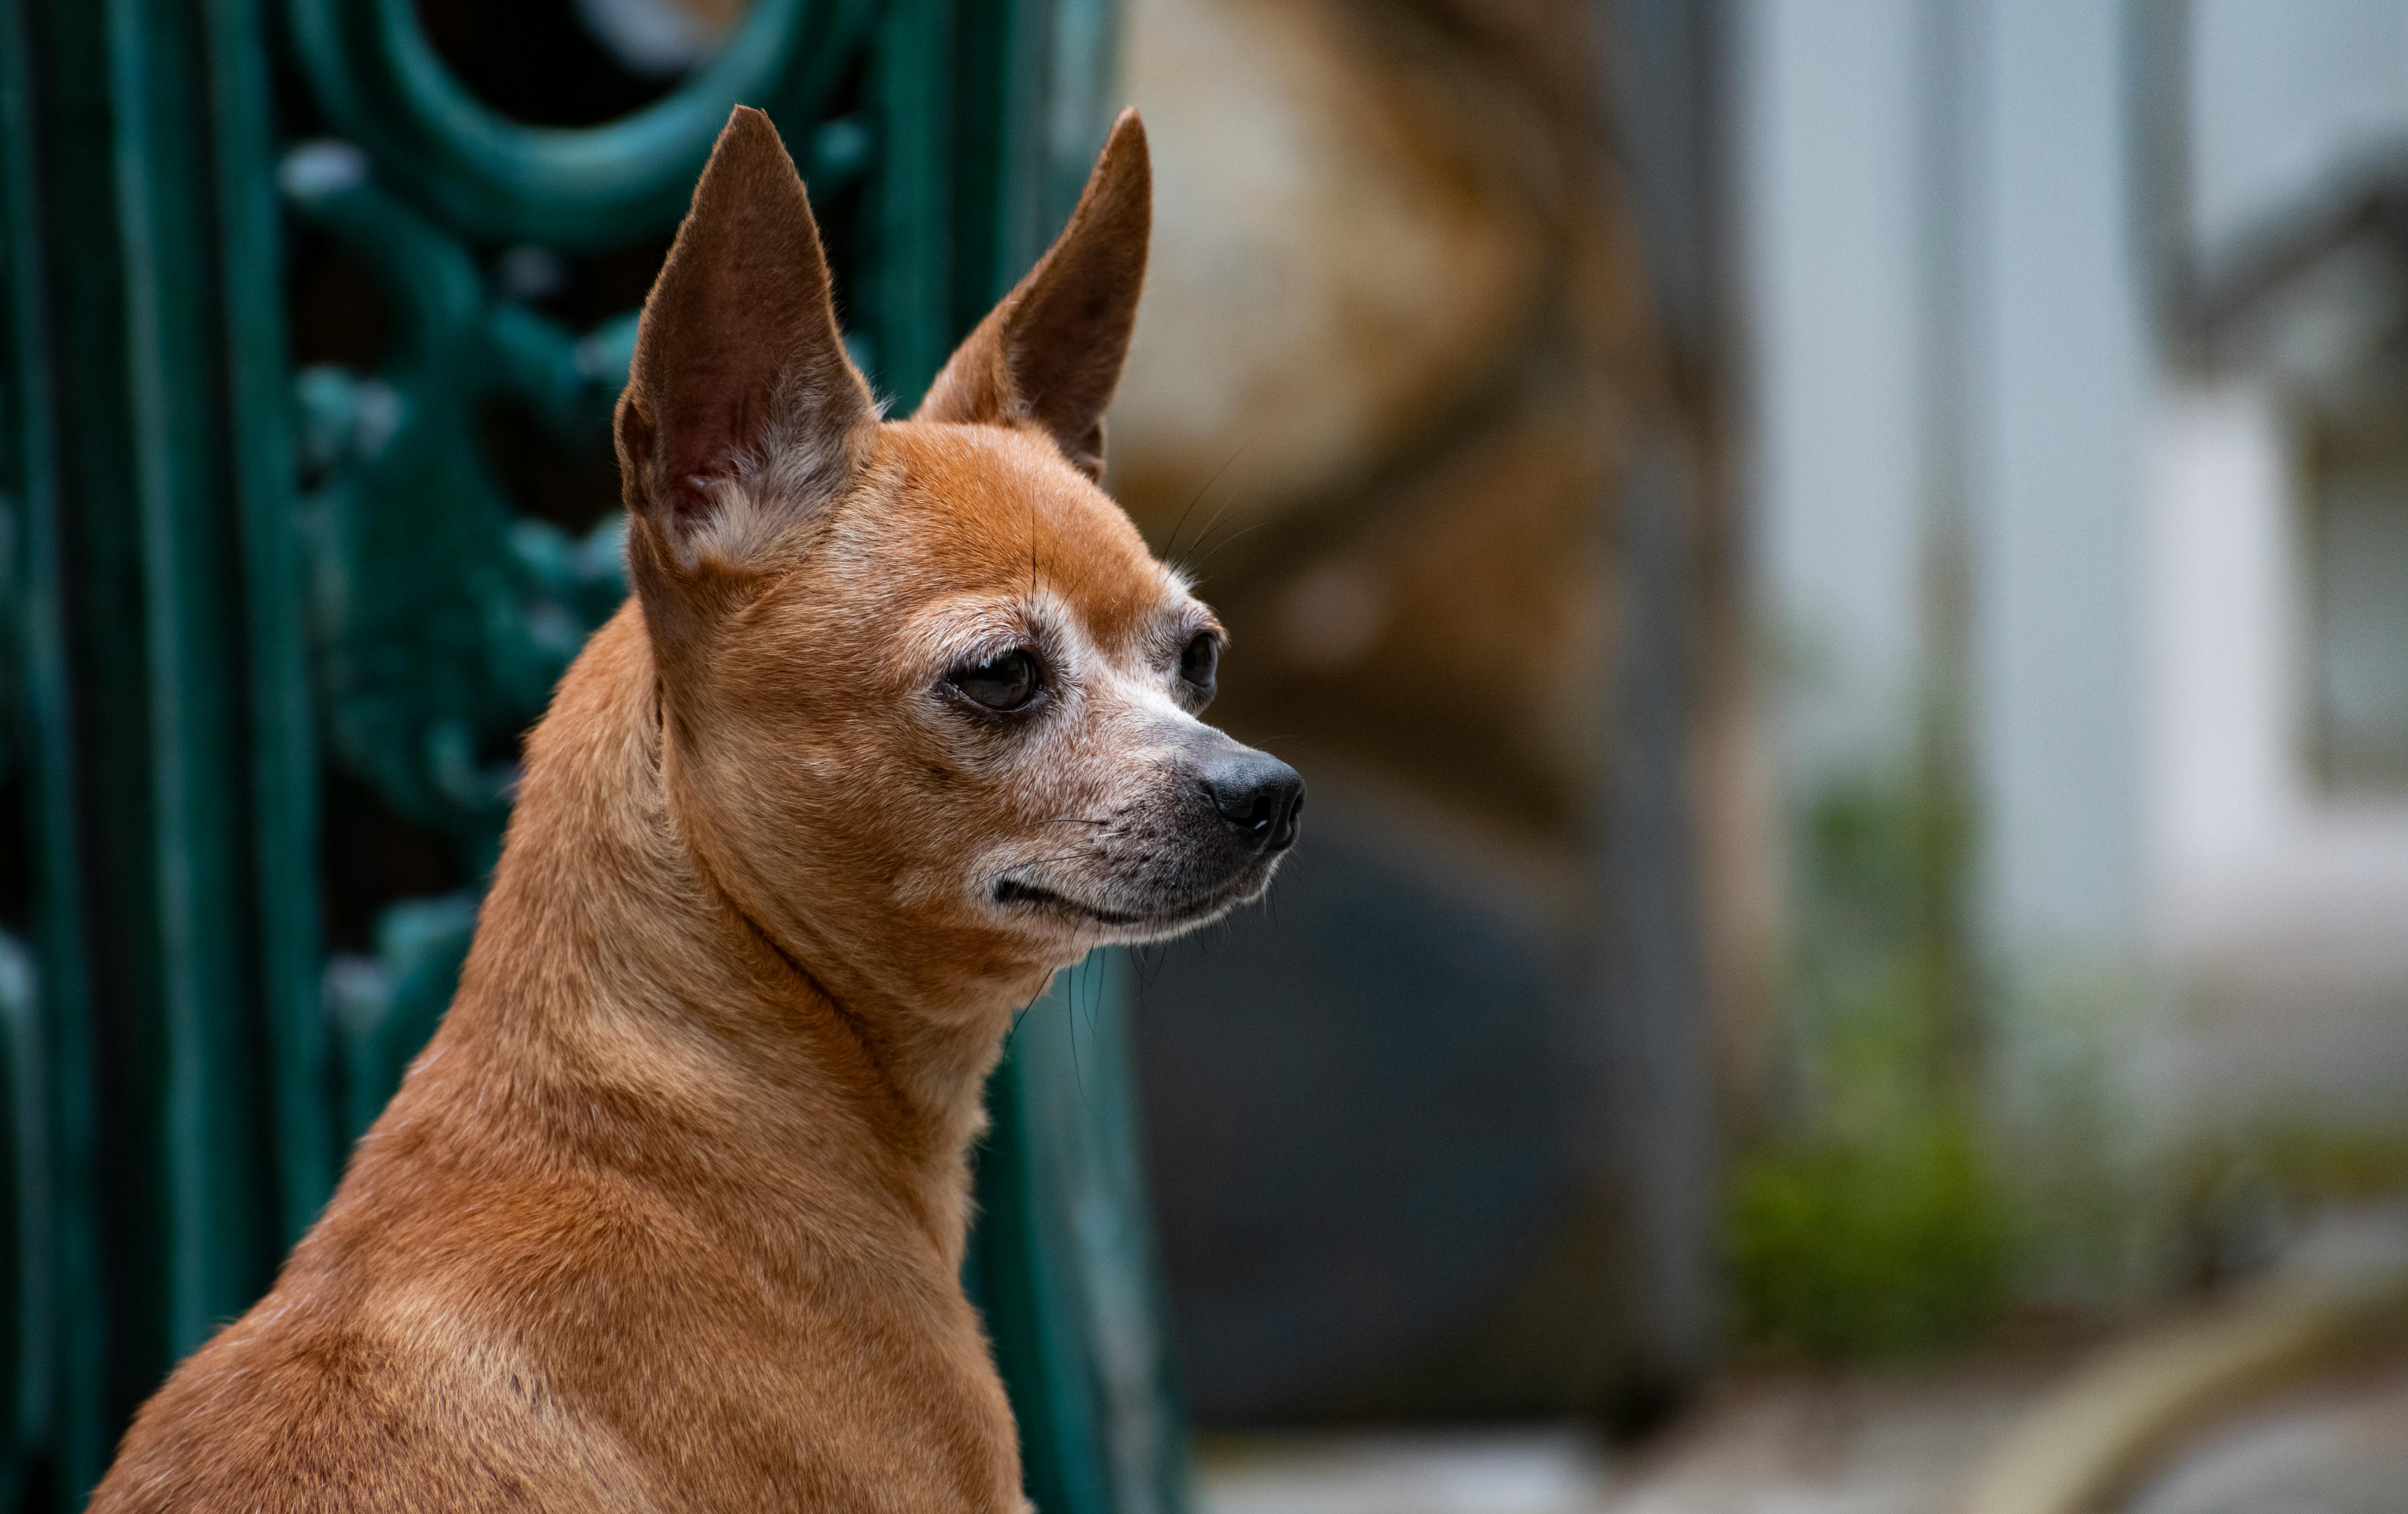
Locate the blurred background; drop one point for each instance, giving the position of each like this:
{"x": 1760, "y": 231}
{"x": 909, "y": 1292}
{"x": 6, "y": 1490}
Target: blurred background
{"x": 1840, "y": 573}
{"x": 1838, "y": 570}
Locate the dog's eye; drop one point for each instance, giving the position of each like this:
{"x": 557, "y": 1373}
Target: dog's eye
{"x": 1006, "y": 683}
{"x": 1200, "y": 660}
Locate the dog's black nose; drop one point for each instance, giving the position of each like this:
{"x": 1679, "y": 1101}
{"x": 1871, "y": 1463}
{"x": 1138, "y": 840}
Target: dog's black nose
{"x": 1260, "y": 797}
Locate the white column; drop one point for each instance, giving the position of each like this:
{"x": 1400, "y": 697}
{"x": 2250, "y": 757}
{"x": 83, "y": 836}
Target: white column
{"x": 2059, "y": 366}
{"x": 1828, "y": 93}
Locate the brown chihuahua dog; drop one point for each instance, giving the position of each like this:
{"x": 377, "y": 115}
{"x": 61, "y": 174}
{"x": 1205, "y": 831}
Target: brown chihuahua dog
{"x": 901, "y": 718}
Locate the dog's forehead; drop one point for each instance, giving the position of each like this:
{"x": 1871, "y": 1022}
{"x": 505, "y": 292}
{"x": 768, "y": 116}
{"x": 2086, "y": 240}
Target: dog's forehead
{"x": 989, "y": 510}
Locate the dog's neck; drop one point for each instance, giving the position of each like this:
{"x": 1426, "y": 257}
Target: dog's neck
{"x": 608, "y": 953}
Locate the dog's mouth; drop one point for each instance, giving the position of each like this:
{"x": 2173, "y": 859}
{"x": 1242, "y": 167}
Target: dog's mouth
{"x": 1013, "y": 891}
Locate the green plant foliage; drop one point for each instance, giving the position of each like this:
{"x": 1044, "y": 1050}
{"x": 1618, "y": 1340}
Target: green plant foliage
{"x": 1856, "y": 1249}
{"x": 1875, "y": 1228}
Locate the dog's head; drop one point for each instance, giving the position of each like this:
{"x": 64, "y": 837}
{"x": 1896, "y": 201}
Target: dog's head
{"x": 929, "y": 705}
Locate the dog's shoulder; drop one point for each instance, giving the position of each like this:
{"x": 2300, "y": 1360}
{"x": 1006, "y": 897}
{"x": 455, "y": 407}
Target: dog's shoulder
{"x": 284, "y": 1413}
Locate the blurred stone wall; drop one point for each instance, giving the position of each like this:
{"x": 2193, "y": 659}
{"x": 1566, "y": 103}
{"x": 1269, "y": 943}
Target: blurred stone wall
{"x": 1395, "y": 375}
{"x": 1392, "y": 353}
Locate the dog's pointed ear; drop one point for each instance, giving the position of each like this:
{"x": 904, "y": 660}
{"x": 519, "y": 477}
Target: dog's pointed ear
{"x": 1051, "y": 351}
{"x": 742, "y": 412}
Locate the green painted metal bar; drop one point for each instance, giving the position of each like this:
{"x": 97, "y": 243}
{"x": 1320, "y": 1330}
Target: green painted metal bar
{"x": 63, "y": 1442}
{"x": 60, "y": 1437}
{"x": 282, "y": 739}
{"x": 31, "y": 1325}
{"x": 912, "y": 327}
{"x": 1064, "y": 1261}
{"x": 154, "y": 623}
{"x": 221, "y": 1238}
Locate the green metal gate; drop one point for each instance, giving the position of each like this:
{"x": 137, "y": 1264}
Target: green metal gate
{"x": 239, "y": 598}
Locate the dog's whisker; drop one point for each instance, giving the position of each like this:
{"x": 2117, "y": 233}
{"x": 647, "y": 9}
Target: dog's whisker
{"x": 1071, "y": 1013}
{"x": 1188, "y": 561}
{"x": 1223, "y": 542}
{"x": 1171, "y": 548}
{"x": 1018, "y": 1015}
